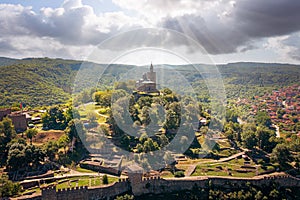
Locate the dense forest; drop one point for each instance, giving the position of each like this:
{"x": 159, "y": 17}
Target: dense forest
{"x": 45, "y": 81}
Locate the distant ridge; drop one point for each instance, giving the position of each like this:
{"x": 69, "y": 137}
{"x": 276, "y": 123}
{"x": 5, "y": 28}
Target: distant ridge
{"x": 7, "y": 61}
{"x": 48, "y": 81}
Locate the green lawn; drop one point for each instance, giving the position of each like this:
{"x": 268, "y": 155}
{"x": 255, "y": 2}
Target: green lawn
{"x": 83, "y": 181}
{"x": 226, "y": 168}
{"x": 79, "y": 169}
{"x": 92, "y": 108}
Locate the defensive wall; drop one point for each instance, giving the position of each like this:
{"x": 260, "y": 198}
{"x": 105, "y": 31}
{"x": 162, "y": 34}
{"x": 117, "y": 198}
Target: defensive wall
{"x": 157, "y": 185}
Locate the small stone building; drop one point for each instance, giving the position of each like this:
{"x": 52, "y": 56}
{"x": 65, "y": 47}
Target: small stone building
{"x": 19, "y": 121}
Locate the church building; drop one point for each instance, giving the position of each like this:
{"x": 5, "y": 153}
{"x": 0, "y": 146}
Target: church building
{"x": 148, "y": 82}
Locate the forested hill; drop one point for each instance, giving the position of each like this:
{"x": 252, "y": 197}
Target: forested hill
{"x": 7, "y": 61}
{"x": 45, "y": 81}
{"x": 40, "y": 81}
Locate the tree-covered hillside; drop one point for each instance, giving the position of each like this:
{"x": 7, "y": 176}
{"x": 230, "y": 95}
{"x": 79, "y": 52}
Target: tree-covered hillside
{"x": 45, "y": 81}
{"x": 37, "y": 81}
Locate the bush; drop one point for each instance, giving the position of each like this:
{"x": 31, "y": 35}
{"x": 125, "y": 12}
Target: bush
{"x": 105, "y": 179}
{"x": 179, "y": 174}
{"x": 125, "y": 197}
{"x": 8, "y": 188}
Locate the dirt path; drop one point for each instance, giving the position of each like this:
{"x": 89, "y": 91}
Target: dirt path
{"x": 277, "y": 130}
{"x": 192, "y": 168}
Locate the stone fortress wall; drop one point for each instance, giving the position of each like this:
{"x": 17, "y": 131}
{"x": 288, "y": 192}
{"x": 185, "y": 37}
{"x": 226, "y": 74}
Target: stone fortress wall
{"x": 157, "y": 185}
{"x": 81, "y": 193}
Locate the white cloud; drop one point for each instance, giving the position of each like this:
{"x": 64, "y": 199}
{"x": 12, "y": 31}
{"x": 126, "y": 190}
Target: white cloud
{"x": 57, "y": 31}
{"x": 287, "y": 46}
{"x": 220, "y": 26}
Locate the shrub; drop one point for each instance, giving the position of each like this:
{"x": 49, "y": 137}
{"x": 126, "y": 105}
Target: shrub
{"x": 179, "y": 174}
{"x": 105, "y": 179}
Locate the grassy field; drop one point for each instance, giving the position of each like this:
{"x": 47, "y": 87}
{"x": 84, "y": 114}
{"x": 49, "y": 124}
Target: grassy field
{"x": 233, "y": 168}
{"x": 83, "y": 181}
{"x": 79, "y": 169}
{"x": 166, "y": 174}
{"x": 100, "y": 112}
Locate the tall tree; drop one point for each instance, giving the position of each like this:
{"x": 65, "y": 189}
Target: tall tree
{"x": 264, "y": 138}
{"x": 281, "y": 154}
{"x": 263, "y": 118}
{"x": 7, "y": 133}
{"x": 16, "y": 156}
{"x": 249, "y": 139}
{"x": 54, "y": 118}
{"x": 31, "y": 133}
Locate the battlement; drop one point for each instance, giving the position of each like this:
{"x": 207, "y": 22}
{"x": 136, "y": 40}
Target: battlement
{"x": 123, "y": 180}
{"x": 272, "y": 177}
{"x": 151, "y": 178}
{"x": 72, "y": 189}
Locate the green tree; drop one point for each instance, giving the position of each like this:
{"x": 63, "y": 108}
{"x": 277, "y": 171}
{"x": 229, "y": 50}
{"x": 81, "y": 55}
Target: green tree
{"x": 16, "y": 156}
{"x": 51, "y": 149}
{"x": 163, "y": 140}
{"x": 281, "y": 154}
{"x": 31, "y": 133}
{"x": 125, "y": 141}
{"x": 274, "y": 194}
{"x": 263, "y": 118}
{"x": 75, "y": 129}
{"x": 105, "y": 179}
{"x": 7, "y": 133}
{"x": 179, "y": 174}
{"x": 71, "y": 113}
{"x": 8, "y": 188}
{"x": 139, "y": 147}
{"x": 34, "y": 155}
{"x": 103, "y": 98}
{"x": 231, "y": 115}
{"x": 249, "y": 139}
{"x": 104, "y": 130}
{"x": 54, "y": 118}
{"x": 63, "y": 142}
{"x": 259, "y": 195}
{"x": 150, "y": 145}
{"x": 172, "y": 120}
{"x": 145, "y": 116}
{"x": 264, "y": 138}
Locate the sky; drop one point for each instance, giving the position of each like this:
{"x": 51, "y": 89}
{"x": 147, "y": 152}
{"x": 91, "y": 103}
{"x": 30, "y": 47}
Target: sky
{"x": 141, "y": 31}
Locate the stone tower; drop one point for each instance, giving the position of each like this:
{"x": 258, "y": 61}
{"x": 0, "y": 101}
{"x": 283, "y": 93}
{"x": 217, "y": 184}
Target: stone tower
{"x": 135, "y": 175}
{"x": 151, "y": 75}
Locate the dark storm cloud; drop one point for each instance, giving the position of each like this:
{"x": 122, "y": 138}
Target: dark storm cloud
{"x": 248, "y": 20}
{"x": 268, "y": 17}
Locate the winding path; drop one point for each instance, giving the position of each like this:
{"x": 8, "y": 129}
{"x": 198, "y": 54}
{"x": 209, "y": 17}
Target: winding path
{"x": 192, "y": 168}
